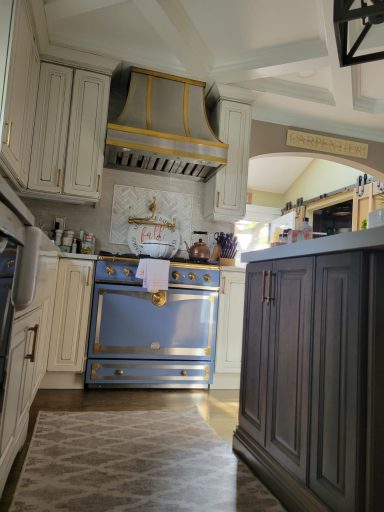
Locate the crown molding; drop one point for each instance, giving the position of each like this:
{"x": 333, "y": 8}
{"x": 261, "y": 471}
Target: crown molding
{"x": 229, "y": 92}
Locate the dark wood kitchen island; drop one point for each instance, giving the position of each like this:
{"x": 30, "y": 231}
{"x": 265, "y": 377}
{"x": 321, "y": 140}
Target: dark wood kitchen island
{"x": 311, "y": 420}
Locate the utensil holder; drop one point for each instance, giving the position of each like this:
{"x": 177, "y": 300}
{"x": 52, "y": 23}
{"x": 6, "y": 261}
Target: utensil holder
{"x": 227, "y": 262}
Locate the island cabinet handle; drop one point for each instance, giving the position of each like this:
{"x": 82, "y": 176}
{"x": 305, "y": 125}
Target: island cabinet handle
{"x": 32, "y": 355}
{"x": 269, "y": 298}
{"x": 263, "y": 297}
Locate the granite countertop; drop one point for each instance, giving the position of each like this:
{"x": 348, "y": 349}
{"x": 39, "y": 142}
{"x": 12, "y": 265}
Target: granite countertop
{"x": 372, "y": 238}
{"x": 75, "y": 256}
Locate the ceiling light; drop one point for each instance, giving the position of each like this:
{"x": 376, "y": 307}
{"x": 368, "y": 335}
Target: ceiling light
{"x": 364, "y": 19}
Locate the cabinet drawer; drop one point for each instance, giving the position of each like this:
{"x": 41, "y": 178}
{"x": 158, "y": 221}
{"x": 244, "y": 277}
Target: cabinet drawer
{"x": 104, "y": 371}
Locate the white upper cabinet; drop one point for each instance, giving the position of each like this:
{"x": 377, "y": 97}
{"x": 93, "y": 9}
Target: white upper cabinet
{"x": 225, "y": 193}
{"x": 51, "y": 127}
{"x": 19, "y": 98}
{"x": 69, "y": 135}
{"x": 86, "y": 135}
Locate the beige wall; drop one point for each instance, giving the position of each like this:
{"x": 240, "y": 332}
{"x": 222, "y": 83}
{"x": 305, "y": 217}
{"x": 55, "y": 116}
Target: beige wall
{"x": 98, "y": 219}
{"x": 267, "y": 198}
{"x": 270, "y": 139}
{"x": 320, "y": 177}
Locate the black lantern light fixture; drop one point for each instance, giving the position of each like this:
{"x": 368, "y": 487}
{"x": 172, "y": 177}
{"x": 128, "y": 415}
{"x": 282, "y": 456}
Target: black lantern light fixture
{"x": 350, "y": 43}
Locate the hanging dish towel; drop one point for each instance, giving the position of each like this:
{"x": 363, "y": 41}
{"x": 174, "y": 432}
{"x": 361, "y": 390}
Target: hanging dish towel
{"x": 154, "y": 274}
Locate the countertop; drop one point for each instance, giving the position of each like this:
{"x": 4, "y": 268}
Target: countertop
{"x": 372, "y": 238}
{"x": 232, "y": 269}
{"x": 76, "y": 256}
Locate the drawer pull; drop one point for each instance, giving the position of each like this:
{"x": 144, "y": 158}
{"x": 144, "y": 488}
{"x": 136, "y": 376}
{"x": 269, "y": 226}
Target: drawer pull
{"x": 155, "y": 345}
{"x": 119, "y": 372}
{"x": 31, "y": 356}
{"x": 184, "y": 373}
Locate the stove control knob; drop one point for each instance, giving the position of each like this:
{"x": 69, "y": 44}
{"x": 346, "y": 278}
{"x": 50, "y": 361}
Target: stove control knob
{"x": 192, "y": 276}
{"x": 176, "y": 275}
{"x": 110, "y": 270}
{"x": 127, "y": 272}
{"x": 207, "y": 278}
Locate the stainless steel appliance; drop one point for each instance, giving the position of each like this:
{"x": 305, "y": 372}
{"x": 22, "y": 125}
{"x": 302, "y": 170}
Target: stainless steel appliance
{"x": 141, "y": 339}
{"x": 13, "y": 218}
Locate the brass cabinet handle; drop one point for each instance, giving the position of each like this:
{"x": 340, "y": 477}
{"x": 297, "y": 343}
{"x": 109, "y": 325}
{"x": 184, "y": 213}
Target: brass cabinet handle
{"x": 98, "y": 183}
{"x": 263, "y": 297}
{"x": 88, "y": 277}
{"x": 9, "y": 131}
{"x": 58, "y": 179}
{"x": 184, "y": 373}
{"x": 223, "y": 283}
{"x": 217, "y": 199}
{"x": 119, "y": 372}
{"x": 31, "y": 356}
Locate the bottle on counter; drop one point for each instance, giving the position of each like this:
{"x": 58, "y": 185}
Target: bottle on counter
{"x": 305, "y": 231}
{"x": 74, "y": 246}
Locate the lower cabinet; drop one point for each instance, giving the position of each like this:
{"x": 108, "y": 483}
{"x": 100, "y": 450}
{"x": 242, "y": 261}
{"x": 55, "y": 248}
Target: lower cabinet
{"x": 71, "y": 316}
{"x": 309, "y": 362}
{"x": 21, "y": 365}
{"x": 229, "y": 330}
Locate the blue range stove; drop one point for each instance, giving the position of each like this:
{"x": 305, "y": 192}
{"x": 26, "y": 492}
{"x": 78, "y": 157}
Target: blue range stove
{"x": 142, "y": 339}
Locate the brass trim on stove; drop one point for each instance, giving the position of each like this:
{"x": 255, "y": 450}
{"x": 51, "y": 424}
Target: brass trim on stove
{"x": 100, "y": 348}
{"x": 172, "y": 263}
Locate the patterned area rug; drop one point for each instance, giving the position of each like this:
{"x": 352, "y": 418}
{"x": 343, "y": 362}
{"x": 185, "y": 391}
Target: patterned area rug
{"x": 163, "y": 461}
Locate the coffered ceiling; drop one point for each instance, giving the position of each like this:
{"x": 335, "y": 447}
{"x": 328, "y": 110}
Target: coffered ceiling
{"x": 283, "y": 53}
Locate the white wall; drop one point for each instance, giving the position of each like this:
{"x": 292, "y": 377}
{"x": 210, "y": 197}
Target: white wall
{"x": 98, "y": 219}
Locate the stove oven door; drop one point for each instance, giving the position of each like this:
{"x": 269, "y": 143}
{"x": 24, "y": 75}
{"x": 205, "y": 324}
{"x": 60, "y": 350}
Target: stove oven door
{"x": 130, "y": 323}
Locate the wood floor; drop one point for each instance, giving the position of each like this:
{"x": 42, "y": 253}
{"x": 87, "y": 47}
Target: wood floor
{"x": 218, "y": 407}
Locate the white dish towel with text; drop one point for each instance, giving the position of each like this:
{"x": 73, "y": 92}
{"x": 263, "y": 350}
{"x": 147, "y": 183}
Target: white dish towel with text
{"x": 154, "y": 274}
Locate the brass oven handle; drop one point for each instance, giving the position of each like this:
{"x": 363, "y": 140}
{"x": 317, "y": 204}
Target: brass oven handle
{"x": 269, "y": 299}
{"x": 263, "y": 297}
{"x": 31, "y": 356}
{"x": 58, "y": 179}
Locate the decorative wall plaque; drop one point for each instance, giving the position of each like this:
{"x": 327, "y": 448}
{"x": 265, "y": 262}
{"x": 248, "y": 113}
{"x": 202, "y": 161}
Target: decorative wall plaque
{"x": 135, "y": 202}
{"x": 336, "y": 146}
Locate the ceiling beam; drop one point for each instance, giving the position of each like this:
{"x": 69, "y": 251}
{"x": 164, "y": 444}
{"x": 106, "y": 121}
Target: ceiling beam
{"x": 272, "y": 61}
{"x": 341, "y": 77}
{"x": 172, "y": 24}
{"x": 60, "y": 9}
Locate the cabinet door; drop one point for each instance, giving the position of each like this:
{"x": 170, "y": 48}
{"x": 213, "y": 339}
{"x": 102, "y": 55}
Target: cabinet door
{"x": 336, "y": 429}
{"x": 45, "y": 328}
{"x": 288, "y": 369}
{"x": 20, "y": 369}
{"x": 20, "y": 97}
{"x": 230, "y": 322}
{"x": 252, "y": 417}
{"x": 51, "y": 126}
{"x": 70, "y": 316}
{"x": 86, "y": 137}
{"x": 225, "y": 193}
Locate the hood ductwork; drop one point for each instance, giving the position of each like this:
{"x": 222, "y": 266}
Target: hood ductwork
{"x": 163, "y": 128}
